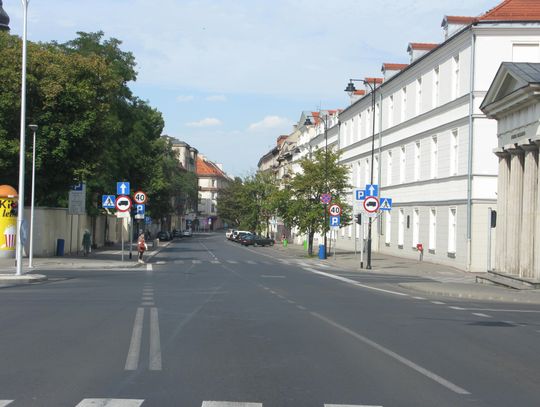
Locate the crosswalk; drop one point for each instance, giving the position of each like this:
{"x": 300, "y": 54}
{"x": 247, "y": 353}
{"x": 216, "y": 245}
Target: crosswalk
{"x": 217, "y": 261}
{"x": 108, "y": 402}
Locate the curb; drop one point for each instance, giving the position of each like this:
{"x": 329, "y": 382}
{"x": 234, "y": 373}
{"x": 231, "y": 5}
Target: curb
{"x": 24, "y": 279}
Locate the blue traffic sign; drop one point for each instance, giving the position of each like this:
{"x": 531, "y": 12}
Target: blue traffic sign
{"x": 78, "y": 187}
{"x": 108, "y": 201}
{"x": 359, "y": 194}
{"x": 148, "y": 220}
{"x": 386, "y": 204}
{"x": 140, "y": 209}
{"x": 335, "y": 220}
{"x": 372, "y": 190}
{"x": 122, "y": 188}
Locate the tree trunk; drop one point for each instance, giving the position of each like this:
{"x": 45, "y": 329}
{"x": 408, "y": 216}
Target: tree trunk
{"x": 310, "y": 242}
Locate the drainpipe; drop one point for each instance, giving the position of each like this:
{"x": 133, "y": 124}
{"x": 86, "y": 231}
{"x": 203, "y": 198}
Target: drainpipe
{"x": 380, "y": 166}
{"x": 470, "y": 155}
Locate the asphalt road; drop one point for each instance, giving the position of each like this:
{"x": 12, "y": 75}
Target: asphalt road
{"x": 207, "y": 322}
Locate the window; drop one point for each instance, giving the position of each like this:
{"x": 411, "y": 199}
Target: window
{"x": 377, "y": 115}
{"x": 416, "y": 228}
{"x": 403, "y": 104}
{"x": 367, "y": 124}
{"x": 454, "y": 152}
{"x": 435, "y": 102}
{"x": 367, "y": 168}
{"x": 434, "y": 157}
{"x": 388, "y": 227}
{"x": 356, "y": 135}
{"x": 358, "y": 174}
{"x": 419, "y": 96}
{"x": 402, "y": 164}
{"x": 349, "y": 131}
{"x": 452, "y": 212}
{"x": 525, "y": 52}
{"x": 376, "y": 170}
{"x": 417, "y": 161}
{"x": 213, "y": 208}
{"x": 401, "y": 226}
{"x": 455, "y": 77}
{"x": 432, "y": 229}
{"x": 391, "y": 111}
{"x": 214, "y": 183}
{"x": 389, "y": 167}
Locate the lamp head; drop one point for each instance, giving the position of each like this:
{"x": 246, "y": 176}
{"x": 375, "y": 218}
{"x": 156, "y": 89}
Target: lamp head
{"x": 350, "y": 89}
{"x": 308, "y": 122}
{"x": 33, "y": 127}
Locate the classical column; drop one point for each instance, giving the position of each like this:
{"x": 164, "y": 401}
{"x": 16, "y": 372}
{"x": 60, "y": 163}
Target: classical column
{"x": 530, "y": 180}
{"x": 536, "y": 268}
{"x": 514, "y": 208}
{"x": 502, "y": 212}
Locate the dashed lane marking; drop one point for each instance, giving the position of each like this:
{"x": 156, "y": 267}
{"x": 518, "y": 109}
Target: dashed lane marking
{"x": 419, "y": 298}
{"x": 271, "y": 276}
{"x": 155, "y": 343}
{"x": 409, "y": 363}
{"x": 232, "y": 262}
{"x": 132, "y": 360}
{"x": 148, "y": 304}
{"x": 196, "y": 261}
{"x": 215, "y": 262}
{"x": 109, "y": 403}
{"x": 353, "y": 282}
{"x": 479, "y": 314}
{"x": 250, "y": 262}
{"x": 229, "y": 404}
{"x": 457, "y": 308}
{"x": 438, "y": 302}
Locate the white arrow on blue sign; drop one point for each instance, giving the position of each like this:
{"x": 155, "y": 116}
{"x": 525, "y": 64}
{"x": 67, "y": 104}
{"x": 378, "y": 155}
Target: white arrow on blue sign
{"x": 386, "y": 204}
{"x": 122, "y": 188}
{"x": 359, "y": 194}
{"x": 108, "y": 201}
{"x": 335, "y": 220}
{"x": 372, "y": 189}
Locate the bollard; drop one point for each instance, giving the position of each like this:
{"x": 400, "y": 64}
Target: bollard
{"x": 285, "y": 242}
{"x": 420, "y": 248}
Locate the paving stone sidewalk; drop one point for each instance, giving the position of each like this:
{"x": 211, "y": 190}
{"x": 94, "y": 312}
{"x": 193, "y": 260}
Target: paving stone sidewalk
{"x": 445, "y": 281}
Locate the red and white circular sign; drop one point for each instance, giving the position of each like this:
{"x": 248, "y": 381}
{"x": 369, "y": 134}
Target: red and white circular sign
{"x": 371, "y": 204}
{"x": 140, "y": 197}
{"x": 334, "y": 210}
{"x": 123, "y": 203}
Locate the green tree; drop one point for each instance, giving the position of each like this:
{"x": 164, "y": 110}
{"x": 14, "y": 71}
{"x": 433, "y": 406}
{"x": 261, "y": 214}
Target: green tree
{"x": 300, "y": 204}
{"x": 230, "y": 201}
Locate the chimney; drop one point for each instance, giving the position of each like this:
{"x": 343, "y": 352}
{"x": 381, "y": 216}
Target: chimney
{"x": 418, "y": 49}
{"x": 388, "y": 70}
{"x": 453, "y": 24}
{"x": 375, "y": 83}
{"x": 357, "y": 95}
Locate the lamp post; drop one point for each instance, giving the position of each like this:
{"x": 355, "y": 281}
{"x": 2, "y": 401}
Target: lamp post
{"x": 34, "y": 128}
{"x": 308, "y": 122}
{"x": 20, "y": 215}
{"x": 351, "y": 89}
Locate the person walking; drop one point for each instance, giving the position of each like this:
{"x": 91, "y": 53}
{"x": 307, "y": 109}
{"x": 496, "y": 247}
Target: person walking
{"x": 86, "y": 242}
{"x": 141, "y": 247}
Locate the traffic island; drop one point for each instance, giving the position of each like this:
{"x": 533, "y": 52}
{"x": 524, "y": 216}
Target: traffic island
{"x": 12, "y": 279}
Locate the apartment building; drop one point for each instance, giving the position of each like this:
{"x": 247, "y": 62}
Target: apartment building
{"x": 433, "y": 145}
{"x": 212, "y": 179}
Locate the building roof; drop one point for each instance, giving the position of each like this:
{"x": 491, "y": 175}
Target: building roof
{"x": 207, "y": 168}
{"x": 424, "y": 46}
{"x": 374, "y": 80}
{"x": 393, "y": 67}
{"x": 513, "y": 10}
{"x": 4, "y": 19}
{"x": 457, "y": 20}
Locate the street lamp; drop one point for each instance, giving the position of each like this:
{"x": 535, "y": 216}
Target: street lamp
{"x": 20, "y": 215}
{"x": 34, "y": 128}
{"x": 350, "y": 90}
{"x": 308, "y": 122}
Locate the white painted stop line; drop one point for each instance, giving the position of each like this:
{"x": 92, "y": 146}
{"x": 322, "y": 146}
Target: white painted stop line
{"x": 110, "y": 403}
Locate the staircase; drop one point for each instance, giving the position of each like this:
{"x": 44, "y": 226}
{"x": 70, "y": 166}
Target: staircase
{"x": 508, "y": 281}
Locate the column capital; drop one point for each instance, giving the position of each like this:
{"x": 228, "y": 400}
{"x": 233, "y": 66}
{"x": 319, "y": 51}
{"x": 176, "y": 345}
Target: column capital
{"x": 501, "y": 152}
{"x": 529, "y": 147}
{"x": 514, "y": 149}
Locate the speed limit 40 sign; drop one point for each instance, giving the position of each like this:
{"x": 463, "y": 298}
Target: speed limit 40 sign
{"x": 140, "y": 197}
{"x": 335, "y": 210}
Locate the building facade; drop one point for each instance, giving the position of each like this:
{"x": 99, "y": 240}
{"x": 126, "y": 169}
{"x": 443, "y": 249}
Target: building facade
{"x": 212, "y": 179}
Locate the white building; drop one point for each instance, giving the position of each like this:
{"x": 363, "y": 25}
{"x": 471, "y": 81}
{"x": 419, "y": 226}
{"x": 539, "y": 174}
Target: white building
{"x": 212, "y": 179}
{"x": 433, "y": 146}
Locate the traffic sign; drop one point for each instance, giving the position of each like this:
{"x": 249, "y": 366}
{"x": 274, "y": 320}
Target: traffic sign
{"x": 334, "y": 210}
{"x": 108, "y": 201}
{"x": 326, "y": 198}
{"x": 359, "y": 194}
{"x": 140, "y": 209}
{"x": 386, "y": 204}
{"x": 140, "y": 197}
{"x": 147, "y": 220}
{"x": 371, "y": 204}
{"x": 372, "y": 190}
{"x": 335, "y": 221}
{"x": 123, "y": 203}
{"x": 122, "y": 188}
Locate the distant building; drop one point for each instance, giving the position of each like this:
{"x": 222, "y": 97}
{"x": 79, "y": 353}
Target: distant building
{"x": 185, "y": 154}
{"x": 212, "y": 179}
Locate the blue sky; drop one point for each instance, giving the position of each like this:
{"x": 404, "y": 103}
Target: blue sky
{"x": 231, "y": 76}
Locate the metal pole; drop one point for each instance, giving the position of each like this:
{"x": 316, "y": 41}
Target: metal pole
{"x": 20, "y": 215}
{"x": 130, "y": 236}
{"x": 33, "y": 127}
{"x": 326, "y": 181}
{"x": 362, "y": 246}
{"x": 368, "y": 266}
{"x": 123, "y": 225}
{"x": 489, "y": 240}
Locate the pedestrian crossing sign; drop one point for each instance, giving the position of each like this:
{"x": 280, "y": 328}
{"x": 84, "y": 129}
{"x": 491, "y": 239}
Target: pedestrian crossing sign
{"x": 108, "y": 201}
{"x": 386, "y": 204}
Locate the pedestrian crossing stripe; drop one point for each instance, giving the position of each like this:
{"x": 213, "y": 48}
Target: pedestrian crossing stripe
{"x": 4, "y": 403}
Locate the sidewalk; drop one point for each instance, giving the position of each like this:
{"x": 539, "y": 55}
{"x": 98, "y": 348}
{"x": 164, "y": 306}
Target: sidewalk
{"x": 446, "y": 281}
{"x": 105, "y": 258}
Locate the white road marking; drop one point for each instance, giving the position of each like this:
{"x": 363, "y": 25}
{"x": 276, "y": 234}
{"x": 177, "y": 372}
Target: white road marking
{"x": 419, "y": 298}
{"x": 208, "y": 250}
{"x": 148, "y": 267}
{"x": 301, "y": 307}
{"x": 250, "y": 262}
{"x": 155, "y": 344}
{"x": 4, "y": 403}
{"x": 148, "y": 303}
{"x": 479, "y": 314}
{"x": 215, "y": 262}
{"x": 353, "y": 282}
{"x": 147, "y": 297}
{"x": 325, "y": 266}
{"x": 132, "y": 360}
{"x": 270, "y": 276}
{"x": 423, "y": 371}
{"x": 504, "y": 310}
{"x": 196, "y": 262}
{"x": 229, "y": 404}
{"x": 438, "y": 302}
{"x": 458, "y": 308}
{"x": 109, "y": 403}
{"x": 161, "y": 262}
{"x": 232, "y": 261}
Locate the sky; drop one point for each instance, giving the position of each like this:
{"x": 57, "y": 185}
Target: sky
{"x": 230, "y": 76}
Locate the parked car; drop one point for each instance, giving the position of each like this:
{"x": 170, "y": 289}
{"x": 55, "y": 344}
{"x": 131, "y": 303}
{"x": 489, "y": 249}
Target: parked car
{"x": 164, "y": 235}
{"x": 247, "y": 239}
{"x": 187, "y": 233}
{"x": 256, "y": 240}
{"x": 235, "y": 234}
{"x": 230, "y": 233}
{"x": 176, "y": 233}
{"x": 240, "y": 235}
